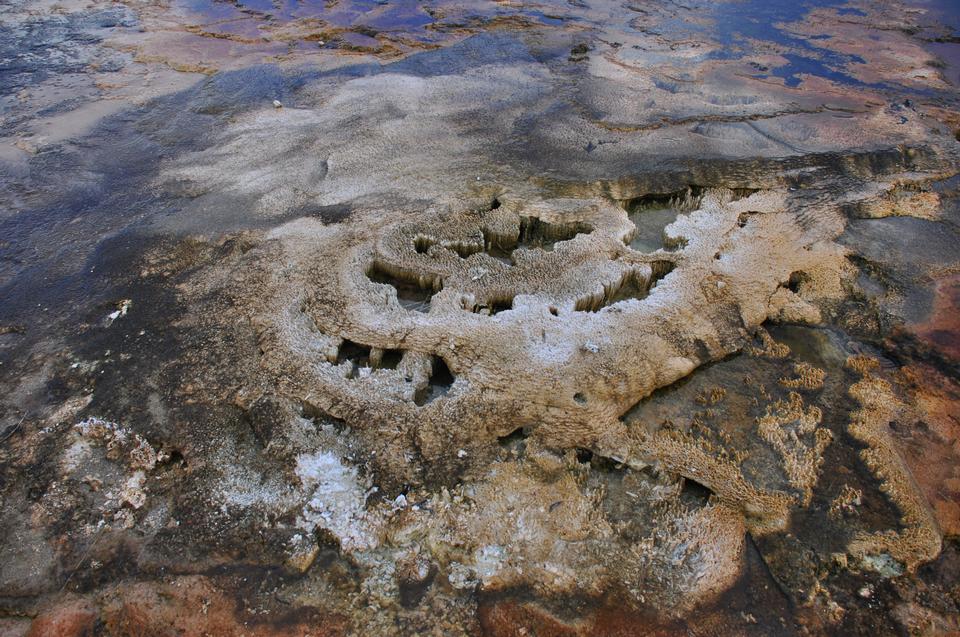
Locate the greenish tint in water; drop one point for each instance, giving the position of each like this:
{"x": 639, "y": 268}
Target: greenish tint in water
{"x": 650, "y": 224}
{"x": 816, "y": 346}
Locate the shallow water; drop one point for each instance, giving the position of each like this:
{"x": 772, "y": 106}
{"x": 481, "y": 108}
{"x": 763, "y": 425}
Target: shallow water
{"x": 744, "y": 26}
{"x": 405, "y": 20}
{"x": 941, "y": 33}
{"x": 650, "y": 224}
{"x": 738, "y": 28}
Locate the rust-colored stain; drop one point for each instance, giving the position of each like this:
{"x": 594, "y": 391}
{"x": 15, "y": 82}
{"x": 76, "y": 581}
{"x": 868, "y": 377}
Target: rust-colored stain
{"x": 942, "y": 330}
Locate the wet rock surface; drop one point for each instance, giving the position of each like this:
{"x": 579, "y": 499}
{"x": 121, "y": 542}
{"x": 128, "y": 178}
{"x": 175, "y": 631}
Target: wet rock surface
{"x": 375, "y": 318}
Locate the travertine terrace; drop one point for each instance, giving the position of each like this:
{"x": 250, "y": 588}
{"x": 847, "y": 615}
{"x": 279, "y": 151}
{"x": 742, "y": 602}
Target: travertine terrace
{"x": 493, "y": 318}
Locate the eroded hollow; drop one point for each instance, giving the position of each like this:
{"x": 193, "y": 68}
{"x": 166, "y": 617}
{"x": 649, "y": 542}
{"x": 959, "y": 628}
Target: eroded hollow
{"x": 652, "y": 213}
{"x": 413, "y": 291}
{"x": 537, "y": 233}
{"x": 695, "y": 492}
{"x": 532, "y": 233}
{"x": 632, "y": 286}
{"x": 797, "y": 280}
{"x": 684, "y": 200}
{"x": 421, "y": 244}
{"x": 514, "y": 442}
{"x": 385, "y": 358}
{"x": 440, "y": 382}
{"x": 650, "y": 224}
{"x": 356, "y": 353}
{"x": 463, "y": 249}
{"x": 491, "y": 307}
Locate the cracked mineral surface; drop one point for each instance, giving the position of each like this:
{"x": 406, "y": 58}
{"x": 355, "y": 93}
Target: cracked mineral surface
{"x": 563, "y": 318}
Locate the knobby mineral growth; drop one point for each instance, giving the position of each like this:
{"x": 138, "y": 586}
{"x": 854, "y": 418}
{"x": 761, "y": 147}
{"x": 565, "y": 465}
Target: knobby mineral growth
{"x": 481, "y": 319}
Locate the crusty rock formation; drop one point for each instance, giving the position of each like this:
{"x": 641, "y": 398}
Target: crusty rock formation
{"x": 919, "y": 541}
{"x": 458, "y": 318}
{"x": 437, "y": 336}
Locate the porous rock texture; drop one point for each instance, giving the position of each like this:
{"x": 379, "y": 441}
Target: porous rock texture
{"x": 592, "y": 326}
{"x": 541, "y": 319}
{"x": 507, "y": 319}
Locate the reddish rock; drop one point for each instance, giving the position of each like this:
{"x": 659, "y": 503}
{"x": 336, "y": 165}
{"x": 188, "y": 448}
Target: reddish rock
{"x": 182, "y": 607}
{"x": 942, "y": 330}
{"x": 510, "y": 618}
{"x": 195, "y": 606}
{"x": 507, "y": 618}
{"x": 931, "y": 445}
{"x": 70, "y": 618}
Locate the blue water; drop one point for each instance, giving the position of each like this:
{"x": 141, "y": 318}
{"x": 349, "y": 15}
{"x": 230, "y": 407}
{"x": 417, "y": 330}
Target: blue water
{"x": 377, "y": 15}
{"x": 941, "y": 32}
{"x": 737, "y": 23}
